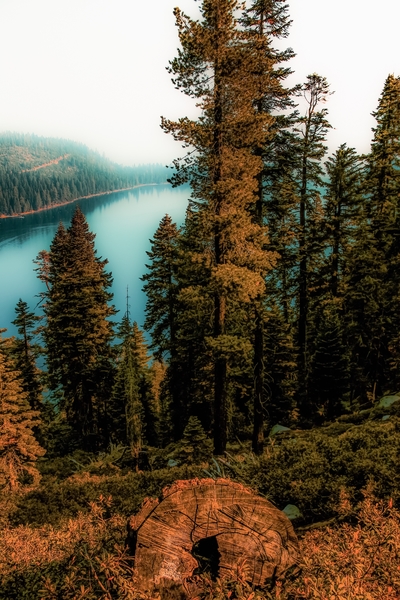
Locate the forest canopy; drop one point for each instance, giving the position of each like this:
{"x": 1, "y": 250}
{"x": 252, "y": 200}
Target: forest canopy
{"x": 277, "y": 300}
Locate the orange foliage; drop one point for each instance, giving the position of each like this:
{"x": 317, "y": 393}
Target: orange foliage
{"x": 352, "y": 562}
{"x": 23, "y": 546}
{"x": 359, "y": 561}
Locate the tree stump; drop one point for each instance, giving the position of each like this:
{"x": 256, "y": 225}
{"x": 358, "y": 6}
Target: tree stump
{"x": 214, "y": 526}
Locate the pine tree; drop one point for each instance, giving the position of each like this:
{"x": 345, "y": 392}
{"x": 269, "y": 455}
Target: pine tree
{"x": 132, "y": 407}
{"x": 161, "y": 288}
{"x": 280, "y": 366}
{"x": 218, "y": 69}
{"x": 345, "y": 170}
{"x": 190, "y": 370}
{"x": 312, "y": 131}
{"x": 24, "y": 352}
{"x": 367, "y": 315}
{"x": 78, "y": 333}
{"x": 194, "y": 446}
{"x": 329, "y": 378}
{"x": 157, "y": 373}
{"x": 144, "y": 375}
{"x": 19, "y": 449}
{"x": 263, "y": 21}
{"x": 383, "y": 184}
{"x": 384, "y": 159}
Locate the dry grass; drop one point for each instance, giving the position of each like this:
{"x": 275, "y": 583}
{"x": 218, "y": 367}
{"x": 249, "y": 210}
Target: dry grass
{"x": 352, "y": 562}
{"x": 23, "y": 547}
{"x": 359, "y": 561}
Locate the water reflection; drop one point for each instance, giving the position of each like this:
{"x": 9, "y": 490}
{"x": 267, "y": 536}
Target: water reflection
{"x": 123, "y": 223}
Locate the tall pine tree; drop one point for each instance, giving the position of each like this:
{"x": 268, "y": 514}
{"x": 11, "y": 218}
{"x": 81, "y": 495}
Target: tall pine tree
{"x": 343, "y": 198}
{"x": 216, "y": 67}
{"x": 263, "y": 21}
{"x": 312, "y": 129}
{"x": 130, "y": 405}
{"x": 78, "y": 332}
{"x": 383, "y": 184}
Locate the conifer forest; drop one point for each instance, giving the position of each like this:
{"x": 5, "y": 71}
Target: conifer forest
{"x": 270, "y": 352}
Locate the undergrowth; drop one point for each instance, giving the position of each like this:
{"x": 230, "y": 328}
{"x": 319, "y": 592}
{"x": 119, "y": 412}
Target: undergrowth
{"x": 66, "y": 539}
{"x": 86, "y": 559}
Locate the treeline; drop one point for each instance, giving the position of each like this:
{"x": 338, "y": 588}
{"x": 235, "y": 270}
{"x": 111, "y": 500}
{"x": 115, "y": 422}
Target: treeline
{"x": 276, "y": 302}
{"x": 98, "y": 387}
{"x": 38, "y": 172}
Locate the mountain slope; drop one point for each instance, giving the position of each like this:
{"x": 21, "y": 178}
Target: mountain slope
{"x": 38, "y": 172}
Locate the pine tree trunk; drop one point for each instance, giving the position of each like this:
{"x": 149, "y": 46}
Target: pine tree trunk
{"x": 220, "y": 370}
{"x": 303, "y": 300}
{"x": 258, "y": 424}
{"x": 258, "y": 419}
{"x": 220, "y": 366}
{"x": 335, "y": 253}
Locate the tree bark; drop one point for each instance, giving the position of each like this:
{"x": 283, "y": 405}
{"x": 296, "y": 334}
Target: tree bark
{"x": 236, "y": 531}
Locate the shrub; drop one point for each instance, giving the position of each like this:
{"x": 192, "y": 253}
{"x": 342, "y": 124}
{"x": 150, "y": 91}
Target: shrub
{"x": 309, "y": 468}
{"x": 352, "y": 562}
{"x": 56, "y": 501}
{"x": 85, "y": 558}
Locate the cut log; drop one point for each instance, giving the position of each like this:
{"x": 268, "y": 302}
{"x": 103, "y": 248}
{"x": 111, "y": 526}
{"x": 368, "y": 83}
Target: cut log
{"x": 214, "y": 526}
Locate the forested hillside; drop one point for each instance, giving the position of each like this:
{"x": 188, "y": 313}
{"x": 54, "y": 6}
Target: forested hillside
{"x": 38, "y": 172}
{"x": 274, "y": 349}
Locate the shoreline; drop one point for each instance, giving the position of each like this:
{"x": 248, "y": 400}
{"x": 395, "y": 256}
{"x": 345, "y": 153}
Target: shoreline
{"x": 31, "y": 212}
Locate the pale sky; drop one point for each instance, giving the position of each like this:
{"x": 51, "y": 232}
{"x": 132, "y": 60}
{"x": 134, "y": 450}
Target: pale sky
{"x": 93, "y": 71}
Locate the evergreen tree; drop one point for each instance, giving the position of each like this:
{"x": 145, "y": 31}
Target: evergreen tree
{"x": 24, "y": 352}
{"x": 78, "y": 333}
{"x": 383, "y": 184}
{"x": 367, "y": 307}
{"x": 263, "y": 21}
{"x": 144, "y": 376}
{"x": 132, "y": 409}
{"x": 384, "y": 159}
{"x": 345, "y": 170}
{"x": 312, "y": 129}
{"x": 157, "y": 374}
{"x": 217, "y": 69}
{"x": 329, "y": 378}
{"x": 161, "y": 288}
{"x": 190, "y": 370}
{"x": 373, "y": 281}
{"x": 19, "y": 449}
{"x": 280, "y": 366}
{"x": 194, "y": 446}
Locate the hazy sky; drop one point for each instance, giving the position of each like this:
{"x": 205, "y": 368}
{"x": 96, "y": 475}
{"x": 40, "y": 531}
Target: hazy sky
{"x": 94, "y": 70}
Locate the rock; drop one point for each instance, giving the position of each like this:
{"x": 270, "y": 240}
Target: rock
{"x": 292, "y": 512}
{"x": 387, "y": 401}
{"x": 214, "y": 526}
{"x": 278, "y": 429}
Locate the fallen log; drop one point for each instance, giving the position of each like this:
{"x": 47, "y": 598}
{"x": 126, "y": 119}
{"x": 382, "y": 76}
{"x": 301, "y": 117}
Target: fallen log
{"x": 210, "y": 526}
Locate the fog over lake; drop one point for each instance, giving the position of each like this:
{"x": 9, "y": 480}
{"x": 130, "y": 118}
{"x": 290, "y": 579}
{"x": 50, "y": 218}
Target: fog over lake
{"x": 123, "y": 223}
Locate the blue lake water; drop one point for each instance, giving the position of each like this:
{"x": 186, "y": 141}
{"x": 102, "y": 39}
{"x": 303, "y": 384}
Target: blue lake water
{"x": 123, "y": 222}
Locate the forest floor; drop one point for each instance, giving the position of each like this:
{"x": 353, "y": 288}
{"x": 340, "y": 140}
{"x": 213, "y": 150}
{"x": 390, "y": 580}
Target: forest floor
{"x": 66, "y": 538}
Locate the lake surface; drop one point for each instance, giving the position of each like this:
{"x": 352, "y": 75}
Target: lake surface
{"x": 123, "y": 222}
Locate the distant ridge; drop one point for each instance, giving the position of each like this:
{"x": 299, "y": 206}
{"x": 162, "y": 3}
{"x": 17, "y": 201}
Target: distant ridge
{"x": 38, "y": 172}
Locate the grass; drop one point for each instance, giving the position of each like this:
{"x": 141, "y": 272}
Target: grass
{"x": 66, "y": 539}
